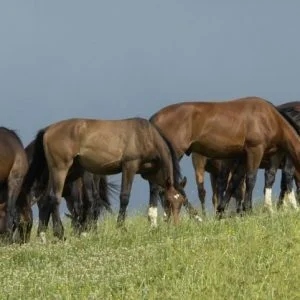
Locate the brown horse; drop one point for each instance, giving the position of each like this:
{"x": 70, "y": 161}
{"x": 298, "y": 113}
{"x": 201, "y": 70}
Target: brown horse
{"x": 15, "y": 211}
{"x": 129, "y": 146}
{"x": 280, "y": 160}
{"x": 246, "y": 128}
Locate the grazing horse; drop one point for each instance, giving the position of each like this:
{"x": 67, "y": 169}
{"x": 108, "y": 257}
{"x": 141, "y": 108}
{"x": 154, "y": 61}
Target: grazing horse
{"x": 246, "y": 128}
{"x": 106, "y": 147}
{"x": 85, "y": 194}
{"x": 15, "y": 211}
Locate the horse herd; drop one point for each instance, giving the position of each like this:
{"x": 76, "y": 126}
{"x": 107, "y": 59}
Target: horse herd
{"x": 71, "y": 159}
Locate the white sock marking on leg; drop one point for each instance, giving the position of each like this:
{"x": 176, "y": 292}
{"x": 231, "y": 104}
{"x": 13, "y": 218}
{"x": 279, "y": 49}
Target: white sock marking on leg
{"x": 292, "y": 199}
{"x": 152, "y": 214}
{"x": 198, "y": 218}
{"x": 268, "y": 199}
{"x": 43, "y": 237}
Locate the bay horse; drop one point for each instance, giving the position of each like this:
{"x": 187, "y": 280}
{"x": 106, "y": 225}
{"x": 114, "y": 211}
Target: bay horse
{"x": 86, "y": 194}
{"x": 291, "y": 112}
{"x": 131, "y": 146}
{"x": 15, "y": 212}
{"x": 246, "y": 128}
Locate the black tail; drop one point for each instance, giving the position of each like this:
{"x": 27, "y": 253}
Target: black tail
{"x": 175, "y": 161}
{"x": 292, "y": 115}
{"x": 38, "y": 163}
{"x": 106, "y": 190}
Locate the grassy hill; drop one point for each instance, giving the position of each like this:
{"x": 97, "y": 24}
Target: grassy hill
{"x": 255, "y": 257}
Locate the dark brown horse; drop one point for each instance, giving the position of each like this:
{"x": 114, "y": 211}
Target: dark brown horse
{"x": 15, "y": 211}
{"x": 129, "y": 146}
{"x": 247, "y": 128}
{"x": 86, "y": 194}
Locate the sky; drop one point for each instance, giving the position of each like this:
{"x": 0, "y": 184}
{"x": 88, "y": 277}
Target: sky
{"x": 119, "y": 59}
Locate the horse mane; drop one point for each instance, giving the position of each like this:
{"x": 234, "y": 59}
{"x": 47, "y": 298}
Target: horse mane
{"x": 176, "y": 167}
{"x": 292, "y": 115}
{"x": 13, "y": 132}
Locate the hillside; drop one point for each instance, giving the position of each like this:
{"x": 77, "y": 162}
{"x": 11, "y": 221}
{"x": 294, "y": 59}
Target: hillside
{"x": 254, "y": 257}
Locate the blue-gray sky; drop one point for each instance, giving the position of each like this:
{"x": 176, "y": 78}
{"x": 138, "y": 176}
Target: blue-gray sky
{"x": 118, "y": 59}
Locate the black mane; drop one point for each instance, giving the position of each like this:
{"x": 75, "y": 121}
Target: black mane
{"x": 291, "y": 114}
{"x": 176, "y": 167}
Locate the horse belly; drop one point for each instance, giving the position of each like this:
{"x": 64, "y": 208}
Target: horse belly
{"x": 100, "y": 163}
{"x": 214, "y": 148}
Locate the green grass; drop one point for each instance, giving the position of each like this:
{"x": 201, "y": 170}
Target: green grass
{"x": 255, "y": 257}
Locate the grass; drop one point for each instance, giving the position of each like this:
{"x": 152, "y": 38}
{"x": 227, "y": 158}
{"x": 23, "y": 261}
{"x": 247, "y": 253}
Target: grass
{"x": 255, "y": 257}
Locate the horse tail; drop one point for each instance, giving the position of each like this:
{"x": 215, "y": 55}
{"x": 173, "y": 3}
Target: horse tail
{"x": 38, "y": 163}
{"x": 175, "y": 161}
{"x": 106, "y": 191}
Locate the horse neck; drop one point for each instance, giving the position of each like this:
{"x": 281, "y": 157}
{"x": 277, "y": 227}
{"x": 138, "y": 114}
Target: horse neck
{"x": 171, "y": 128}
{"x": 166, "y": 162}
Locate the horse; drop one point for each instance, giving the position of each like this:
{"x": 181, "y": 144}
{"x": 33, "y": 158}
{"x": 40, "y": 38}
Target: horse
{"x": 291, "y": 112}
{"x": 15, "y": 210}
{"x": 246, "y": 128}
{"x": 86, "y": 194}
{"x": 131, "y": 146}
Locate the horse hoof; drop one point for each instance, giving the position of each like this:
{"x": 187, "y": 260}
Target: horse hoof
{"x": 219, "y": 215}
{"x": 153, "y": 225}
{"x": 268, "y": 209}
{"x": 84, "y": 234}
{"x": 43, "y": 238}
{"x": 198, "y": 219}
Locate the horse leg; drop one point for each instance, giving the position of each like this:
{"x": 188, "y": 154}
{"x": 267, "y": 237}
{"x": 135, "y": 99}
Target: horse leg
{"x": 240, "y": 195}
{"x": 297, "y": 182}
{"x": 237, "y": 177}
{"x": 128, "y": 172}
{"x": 213, "y": 181}
{"x": 222, "y": 180}
{"x": 14, "y": 186}
{"x": 92, "y": 200}
{"x": 287, "y": 183}
{"x": 199, "y": 163}
{"x": 254, "y": 157}
{"x": 26, "y": 223}
{"x": 152, "y": 210}
{"x": 270, "y": 175}
{"x": 58, "y": 177}
{"x": 44, "y": 206}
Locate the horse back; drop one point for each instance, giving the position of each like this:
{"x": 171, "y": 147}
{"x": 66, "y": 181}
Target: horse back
{"x": 233, "y": 124}
{"x": 12, "y": 154}
{"x": 101, "y": 145}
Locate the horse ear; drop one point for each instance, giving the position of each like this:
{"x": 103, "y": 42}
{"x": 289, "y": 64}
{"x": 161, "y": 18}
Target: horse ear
{"x": 168, "y": 183}
{"x": 183, "y": 182}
